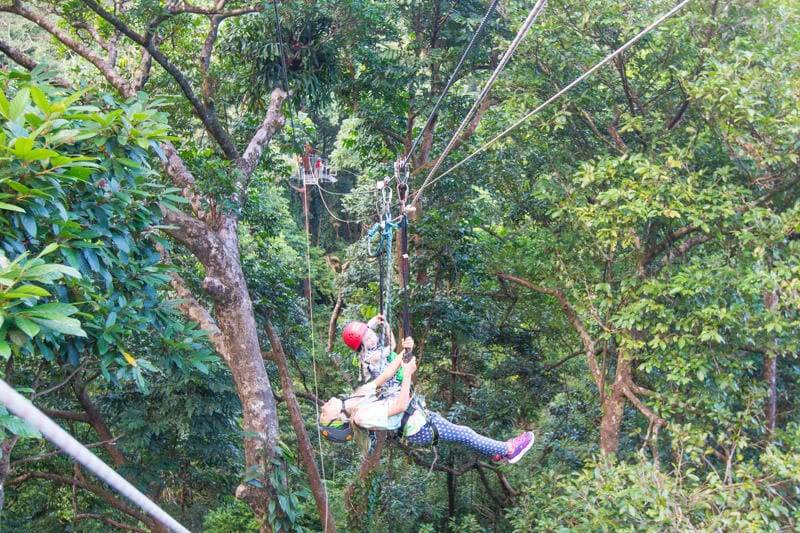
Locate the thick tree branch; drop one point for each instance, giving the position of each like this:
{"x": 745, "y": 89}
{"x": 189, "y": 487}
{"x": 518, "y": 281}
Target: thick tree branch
{"x": 196, "y": 236}
{"x": 681, "y": 250}
{"x": 646, "y": 258}
{"x": 23, "y": 60}
{"x": 627, "y": 389}
{"x": 143, "y": 72}
{"x": 61, "y": 414}
{"x": 98, "y": 423}
{"x": 304, "y": 442}
{"x": 273, "y": 121}
{"x": 116, "y": 503}
{"x": 192, "y": 309}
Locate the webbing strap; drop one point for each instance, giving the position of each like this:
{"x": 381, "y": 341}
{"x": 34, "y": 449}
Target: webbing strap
{"x": 402, "y": 190}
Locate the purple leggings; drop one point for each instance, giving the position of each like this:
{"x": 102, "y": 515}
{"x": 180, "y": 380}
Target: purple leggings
{"x": 450, "y": 432}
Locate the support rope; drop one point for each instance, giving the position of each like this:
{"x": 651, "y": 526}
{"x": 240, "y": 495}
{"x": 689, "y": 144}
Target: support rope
{"x": 20, "y": 406}
{"x": 550, "y": 100}
{"x": 308, "y": 266}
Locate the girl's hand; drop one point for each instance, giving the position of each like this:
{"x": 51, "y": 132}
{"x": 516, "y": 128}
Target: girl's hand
{"x": 409, "y": 367}
{"x": 408, "y": 344}
{"x": 374, "y": 321}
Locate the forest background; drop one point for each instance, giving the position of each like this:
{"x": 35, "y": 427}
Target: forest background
{"x": 618, "y": 273}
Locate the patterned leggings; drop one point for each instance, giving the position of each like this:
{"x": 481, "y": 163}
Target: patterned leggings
{"x": 450, "y": 432}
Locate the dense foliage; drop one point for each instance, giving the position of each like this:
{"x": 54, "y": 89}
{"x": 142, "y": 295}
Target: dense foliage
{"x": 618, "y": 273}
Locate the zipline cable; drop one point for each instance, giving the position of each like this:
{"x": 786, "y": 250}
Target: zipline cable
{"x": 485, "y": 92}
{"x": 452, "y": 79}
{"x": 23, "y": 408}
{"x": 550, "y": 100}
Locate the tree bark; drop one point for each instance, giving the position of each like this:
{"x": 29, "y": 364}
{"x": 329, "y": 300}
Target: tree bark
{"x": 613, "y": 408}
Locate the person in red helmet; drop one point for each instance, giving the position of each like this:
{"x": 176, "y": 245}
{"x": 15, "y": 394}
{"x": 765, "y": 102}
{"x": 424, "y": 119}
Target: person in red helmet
{"x": 373, "y": 356}
{"x": 366, "y": 411}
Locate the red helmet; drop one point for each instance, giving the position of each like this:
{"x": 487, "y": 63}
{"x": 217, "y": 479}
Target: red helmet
{"x": 353, "y": 334}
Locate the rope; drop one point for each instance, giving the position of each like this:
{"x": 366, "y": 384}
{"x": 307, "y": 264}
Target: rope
{"x": 384, "y": 253}
{"x": 550, "y": 100}
{"x": 308, "y": 265}
{"x": 534, "y": 13}
{"x": 452, "y": 79}
{"x": 20, "y": 406}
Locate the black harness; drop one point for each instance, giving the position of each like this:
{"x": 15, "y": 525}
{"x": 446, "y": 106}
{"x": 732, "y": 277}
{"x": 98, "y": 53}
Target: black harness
{"x": 417, "y": 404}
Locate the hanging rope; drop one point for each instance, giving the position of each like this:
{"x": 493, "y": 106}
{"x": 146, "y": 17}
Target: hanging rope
{"x": 285, "y": 69}
{"x": 550, "y": 100}
{"x": 384, "y": 254}
{"x": 20, "y": 406}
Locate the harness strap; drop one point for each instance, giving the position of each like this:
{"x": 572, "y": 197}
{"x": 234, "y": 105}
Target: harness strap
{"x": 410, "y": 410}
{"x": 435, "y": 431}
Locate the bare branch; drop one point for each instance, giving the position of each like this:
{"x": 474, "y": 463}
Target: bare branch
{"x": 56, "y": 387}
{"x": 572, "y": 317}
{"x": 54, "y": 453}
{"x": 564, "y": 360}
{"x": 113, "y": 523}
{"x": 117, "y": 503}
{"x": 107, "y": 70}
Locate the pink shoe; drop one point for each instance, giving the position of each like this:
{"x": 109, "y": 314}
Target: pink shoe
{"x": 499, "y": 459}
{"x": 519, "y": 446}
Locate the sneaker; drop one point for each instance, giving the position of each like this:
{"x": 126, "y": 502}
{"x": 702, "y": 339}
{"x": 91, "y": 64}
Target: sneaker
{"x": 519, "y": 446}
{"x": 499, "y": 459}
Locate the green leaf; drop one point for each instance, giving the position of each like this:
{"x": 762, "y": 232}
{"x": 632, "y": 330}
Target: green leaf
{"x": 47, "y": 271}
{"x": 18, "y": 426}
{"x": 65, "y": 325}
{"x": 40, "y": 99}
{"x": 19, "y": 104}
{"x": 11, "y": 207}
{"x": 52, "y": 311}
{"x": 27, "y": 326}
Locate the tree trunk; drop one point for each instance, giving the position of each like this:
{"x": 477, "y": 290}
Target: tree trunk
{"x": 305, "y": 449}
{"x": 613, "y": 408}
{"x": 233, "y": 310}
{"x": 451, "y": 499}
